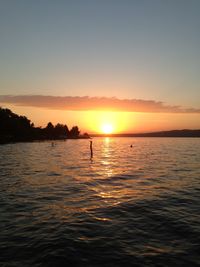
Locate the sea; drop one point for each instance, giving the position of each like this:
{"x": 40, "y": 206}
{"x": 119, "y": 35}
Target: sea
{"x": 136, "y": 202}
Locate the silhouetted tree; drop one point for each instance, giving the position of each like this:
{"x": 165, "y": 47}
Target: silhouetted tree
{"x": 74, "y": 132}
{"x": 49, "y": 131}
{"x": 86, "y": 135}
{"x": 61, "y": 130}
{"x": 14, "y": 126}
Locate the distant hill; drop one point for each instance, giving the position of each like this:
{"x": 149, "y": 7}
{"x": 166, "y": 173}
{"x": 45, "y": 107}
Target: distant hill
{"x": 173, "y": 133}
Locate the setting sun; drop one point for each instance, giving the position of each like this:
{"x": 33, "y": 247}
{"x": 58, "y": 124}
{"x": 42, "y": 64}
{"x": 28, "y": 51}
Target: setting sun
{"x": 107, "y": 128}
{"x": 104, "y": 122}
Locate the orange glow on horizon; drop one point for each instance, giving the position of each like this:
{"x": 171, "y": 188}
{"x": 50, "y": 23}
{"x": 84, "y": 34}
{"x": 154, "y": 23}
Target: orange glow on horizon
{"x": 121, "y": 122}
{"x": 106, "y": 122}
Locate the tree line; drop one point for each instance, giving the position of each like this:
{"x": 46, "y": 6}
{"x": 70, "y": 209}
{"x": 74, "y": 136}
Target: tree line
{"x": 14, "y": 127}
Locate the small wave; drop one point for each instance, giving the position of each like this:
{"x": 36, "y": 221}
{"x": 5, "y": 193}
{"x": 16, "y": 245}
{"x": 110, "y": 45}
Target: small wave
{"x": 53, "y": 174}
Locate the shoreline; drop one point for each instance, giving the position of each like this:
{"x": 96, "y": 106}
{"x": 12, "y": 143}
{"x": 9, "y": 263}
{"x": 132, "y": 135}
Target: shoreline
{"x": 13, "y": 141}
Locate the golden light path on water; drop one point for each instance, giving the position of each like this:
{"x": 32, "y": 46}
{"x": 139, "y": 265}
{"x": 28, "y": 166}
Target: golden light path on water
{"x": 116, "y": 174}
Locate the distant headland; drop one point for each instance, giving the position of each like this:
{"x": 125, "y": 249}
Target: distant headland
{"x": 15, "y": 128}
{"x": 172, "y": 133}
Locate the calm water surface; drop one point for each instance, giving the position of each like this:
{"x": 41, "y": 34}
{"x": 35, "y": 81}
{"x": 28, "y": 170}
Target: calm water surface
{"x": 136, "y": 206}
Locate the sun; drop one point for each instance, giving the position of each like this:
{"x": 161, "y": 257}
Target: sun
{"x": 107, "y": 128}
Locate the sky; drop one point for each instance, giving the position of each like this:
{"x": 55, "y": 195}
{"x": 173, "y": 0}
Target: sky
{"x": 131, "y": 64}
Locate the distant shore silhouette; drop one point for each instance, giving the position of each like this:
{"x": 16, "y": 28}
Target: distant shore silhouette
{"x": 15, "y": 128}
{"x": 172, "y": 133}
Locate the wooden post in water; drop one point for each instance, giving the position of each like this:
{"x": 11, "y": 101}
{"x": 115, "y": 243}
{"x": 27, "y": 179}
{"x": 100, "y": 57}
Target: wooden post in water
{"x": 91, "y": 150}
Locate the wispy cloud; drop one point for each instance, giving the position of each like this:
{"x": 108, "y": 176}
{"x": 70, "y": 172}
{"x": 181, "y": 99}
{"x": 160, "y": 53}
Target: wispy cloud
{"x": 93, "y": 103}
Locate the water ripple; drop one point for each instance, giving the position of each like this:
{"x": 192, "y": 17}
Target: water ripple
{"x": 132, "y": 207}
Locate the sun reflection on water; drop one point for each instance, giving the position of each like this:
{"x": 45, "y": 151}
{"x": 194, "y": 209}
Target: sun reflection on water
{"x": 116, "y": 175}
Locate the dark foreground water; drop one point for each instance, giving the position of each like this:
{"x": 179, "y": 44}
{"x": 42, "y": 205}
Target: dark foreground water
{"x": 136, "y": 206}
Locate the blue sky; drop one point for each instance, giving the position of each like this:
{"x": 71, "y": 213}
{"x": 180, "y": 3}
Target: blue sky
{"x": 128, "y": 49}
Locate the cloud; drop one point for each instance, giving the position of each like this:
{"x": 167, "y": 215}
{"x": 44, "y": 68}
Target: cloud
{"x": 84, "y": 103}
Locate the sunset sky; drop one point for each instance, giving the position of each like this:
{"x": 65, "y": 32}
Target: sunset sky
{"x": 133, "y": 65}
